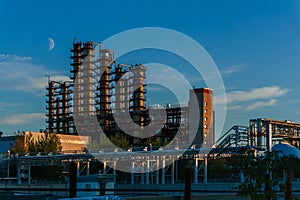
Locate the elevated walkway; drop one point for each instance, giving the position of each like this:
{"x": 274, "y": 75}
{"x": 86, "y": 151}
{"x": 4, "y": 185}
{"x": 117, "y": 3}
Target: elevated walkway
{"x": 235, "y": 138}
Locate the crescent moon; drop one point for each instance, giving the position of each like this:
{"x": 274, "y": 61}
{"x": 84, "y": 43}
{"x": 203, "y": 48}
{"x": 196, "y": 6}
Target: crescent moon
{"x": 51, "y": 44}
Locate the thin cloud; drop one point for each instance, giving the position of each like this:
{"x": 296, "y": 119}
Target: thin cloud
{"x": 25, "y": 118}
{"x": 8, "y": 57}
{"x": 170, "y": 78}
{"x": 252, "y": 99}
{"x": 20, "y": 73}
{"x": 152, "y": 88}
{"x": 259, "y": 104}
{"x": 40, "y": 83}
{"x": 254, "y": 94}
{"x": 234, "y": 107}
{"x": 5, "y": 105}
{"x": 233, "y": 69}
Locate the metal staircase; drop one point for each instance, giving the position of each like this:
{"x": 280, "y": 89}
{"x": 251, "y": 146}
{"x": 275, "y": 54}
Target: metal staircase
{"x": 235, "y": 138}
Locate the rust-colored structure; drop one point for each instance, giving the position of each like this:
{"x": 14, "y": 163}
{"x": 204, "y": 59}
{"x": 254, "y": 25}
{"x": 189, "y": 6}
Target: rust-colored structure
{"x": 202, "y": 103}
{"x": 101, "y": 89}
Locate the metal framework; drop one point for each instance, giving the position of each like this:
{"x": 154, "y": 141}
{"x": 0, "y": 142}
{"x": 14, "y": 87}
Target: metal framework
{"x": 59, "y": 107}
{"x": 265, "y": 132}
{"x": 154, "y": 165}
{"x": 101, "y": 88}
{"x": 235, "y": 138}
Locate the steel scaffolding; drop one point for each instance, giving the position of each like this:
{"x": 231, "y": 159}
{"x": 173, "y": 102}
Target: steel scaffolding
{"x": 59, "y": 107}
{"x": 102, "y": 89}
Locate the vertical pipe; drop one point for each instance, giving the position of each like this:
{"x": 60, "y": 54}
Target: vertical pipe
{"x": 18, "y": 173}
{"x": 205, "y": 170}
{"x": 104, "y": 167}
{"x": 8, "y": 165}
{"x": 88, "y": 168}
{"x": 172, "y": 173}
{"x": 269, "y": 136}
{"x": 78, "y": 168}
{"x": 163, "y": 170}
{"x": 157, "y": 171}
{"x": 29, "y": 174}
{"x": 115, "y": 167}
{"x": 143, "y": 174}
{"x": 176, "y": 170}
{"x": 195, "y": 170}
{"x": 147, "y": 171}
{"x": 132, "y": 172}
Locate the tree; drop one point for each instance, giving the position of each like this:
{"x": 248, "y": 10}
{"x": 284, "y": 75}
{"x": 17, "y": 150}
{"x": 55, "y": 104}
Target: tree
{"x": 47, "y": 143}
{"x": 120, "y": 141}
{"x": 26, "y": 143}
{"x": 257, "y": 174}
{"x": 30, "y": 144}
{"x": 101, "y": 142}
{"x": 19, "y": 145}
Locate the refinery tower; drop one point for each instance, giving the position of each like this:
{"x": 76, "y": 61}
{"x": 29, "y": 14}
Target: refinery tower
{"x": 101, "y": 89}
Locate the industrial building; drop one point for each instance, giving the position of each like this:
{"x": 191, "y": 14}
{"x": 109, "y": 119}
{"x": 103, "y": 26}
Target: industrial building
{"x": 102, "y": 89}
{"x": 265, "y": 132}
{"x": 69, "y": 143}
{"x": 261, "y": 134}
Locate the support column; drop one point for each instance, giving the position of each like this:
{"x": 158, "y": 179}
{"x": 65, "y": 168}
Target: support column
{"x": 157, "y": 171}
{"x": 195, "y": 170}
{"x": 87, "y": 168}
{"x": 8, "y": 170}
{"x": 188, "y": 179}
{"x": 104, "y": 167}
{"x": 132, "y": 172}
{"x": 78, "y": 168}
{"x": 242, "y": 177}
{"x": 19, "y": 172}
{"x": 143, "y": 174}
{"x": 176, "y": 170}
{"x": 8, "y": 161}
{"x": 288, "y": 183}
{"x": 269, "y": 136}
{"x": 163, "y": 170}
{"x": 147, "y": 171}
{"x": 73, "y": 179}
{"x": 172, "y": 172}
{"x": 115, "y": 167}
{"x": 205, "y": 170}
{"x": 29, "y": 174}
{"x": 102, "y": 189}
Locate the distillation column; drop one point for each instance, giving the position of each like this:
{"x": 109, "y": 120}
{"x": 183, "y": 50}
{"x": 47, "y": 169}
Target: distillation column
{"x": 138, "y": 98}
{"x": 77, "y": 75}
{"x": 106, "y": 59}
{"x": 87, "y": 76}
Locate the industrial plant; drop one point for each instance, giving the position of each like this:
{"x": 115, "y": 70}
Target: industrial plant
{"x": 103, "y": 95}
{"x": 102, "y": 89}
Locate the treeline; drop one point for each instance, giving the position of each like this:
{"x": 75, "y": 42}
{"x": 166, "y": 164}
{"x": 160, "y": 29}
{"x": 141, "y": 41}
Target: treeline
{"x": 26, "y": 143}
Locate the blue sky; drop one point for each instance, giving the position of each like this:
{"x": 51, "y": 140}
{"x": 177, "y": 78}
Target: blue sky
{"x": 255, "y": 45}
